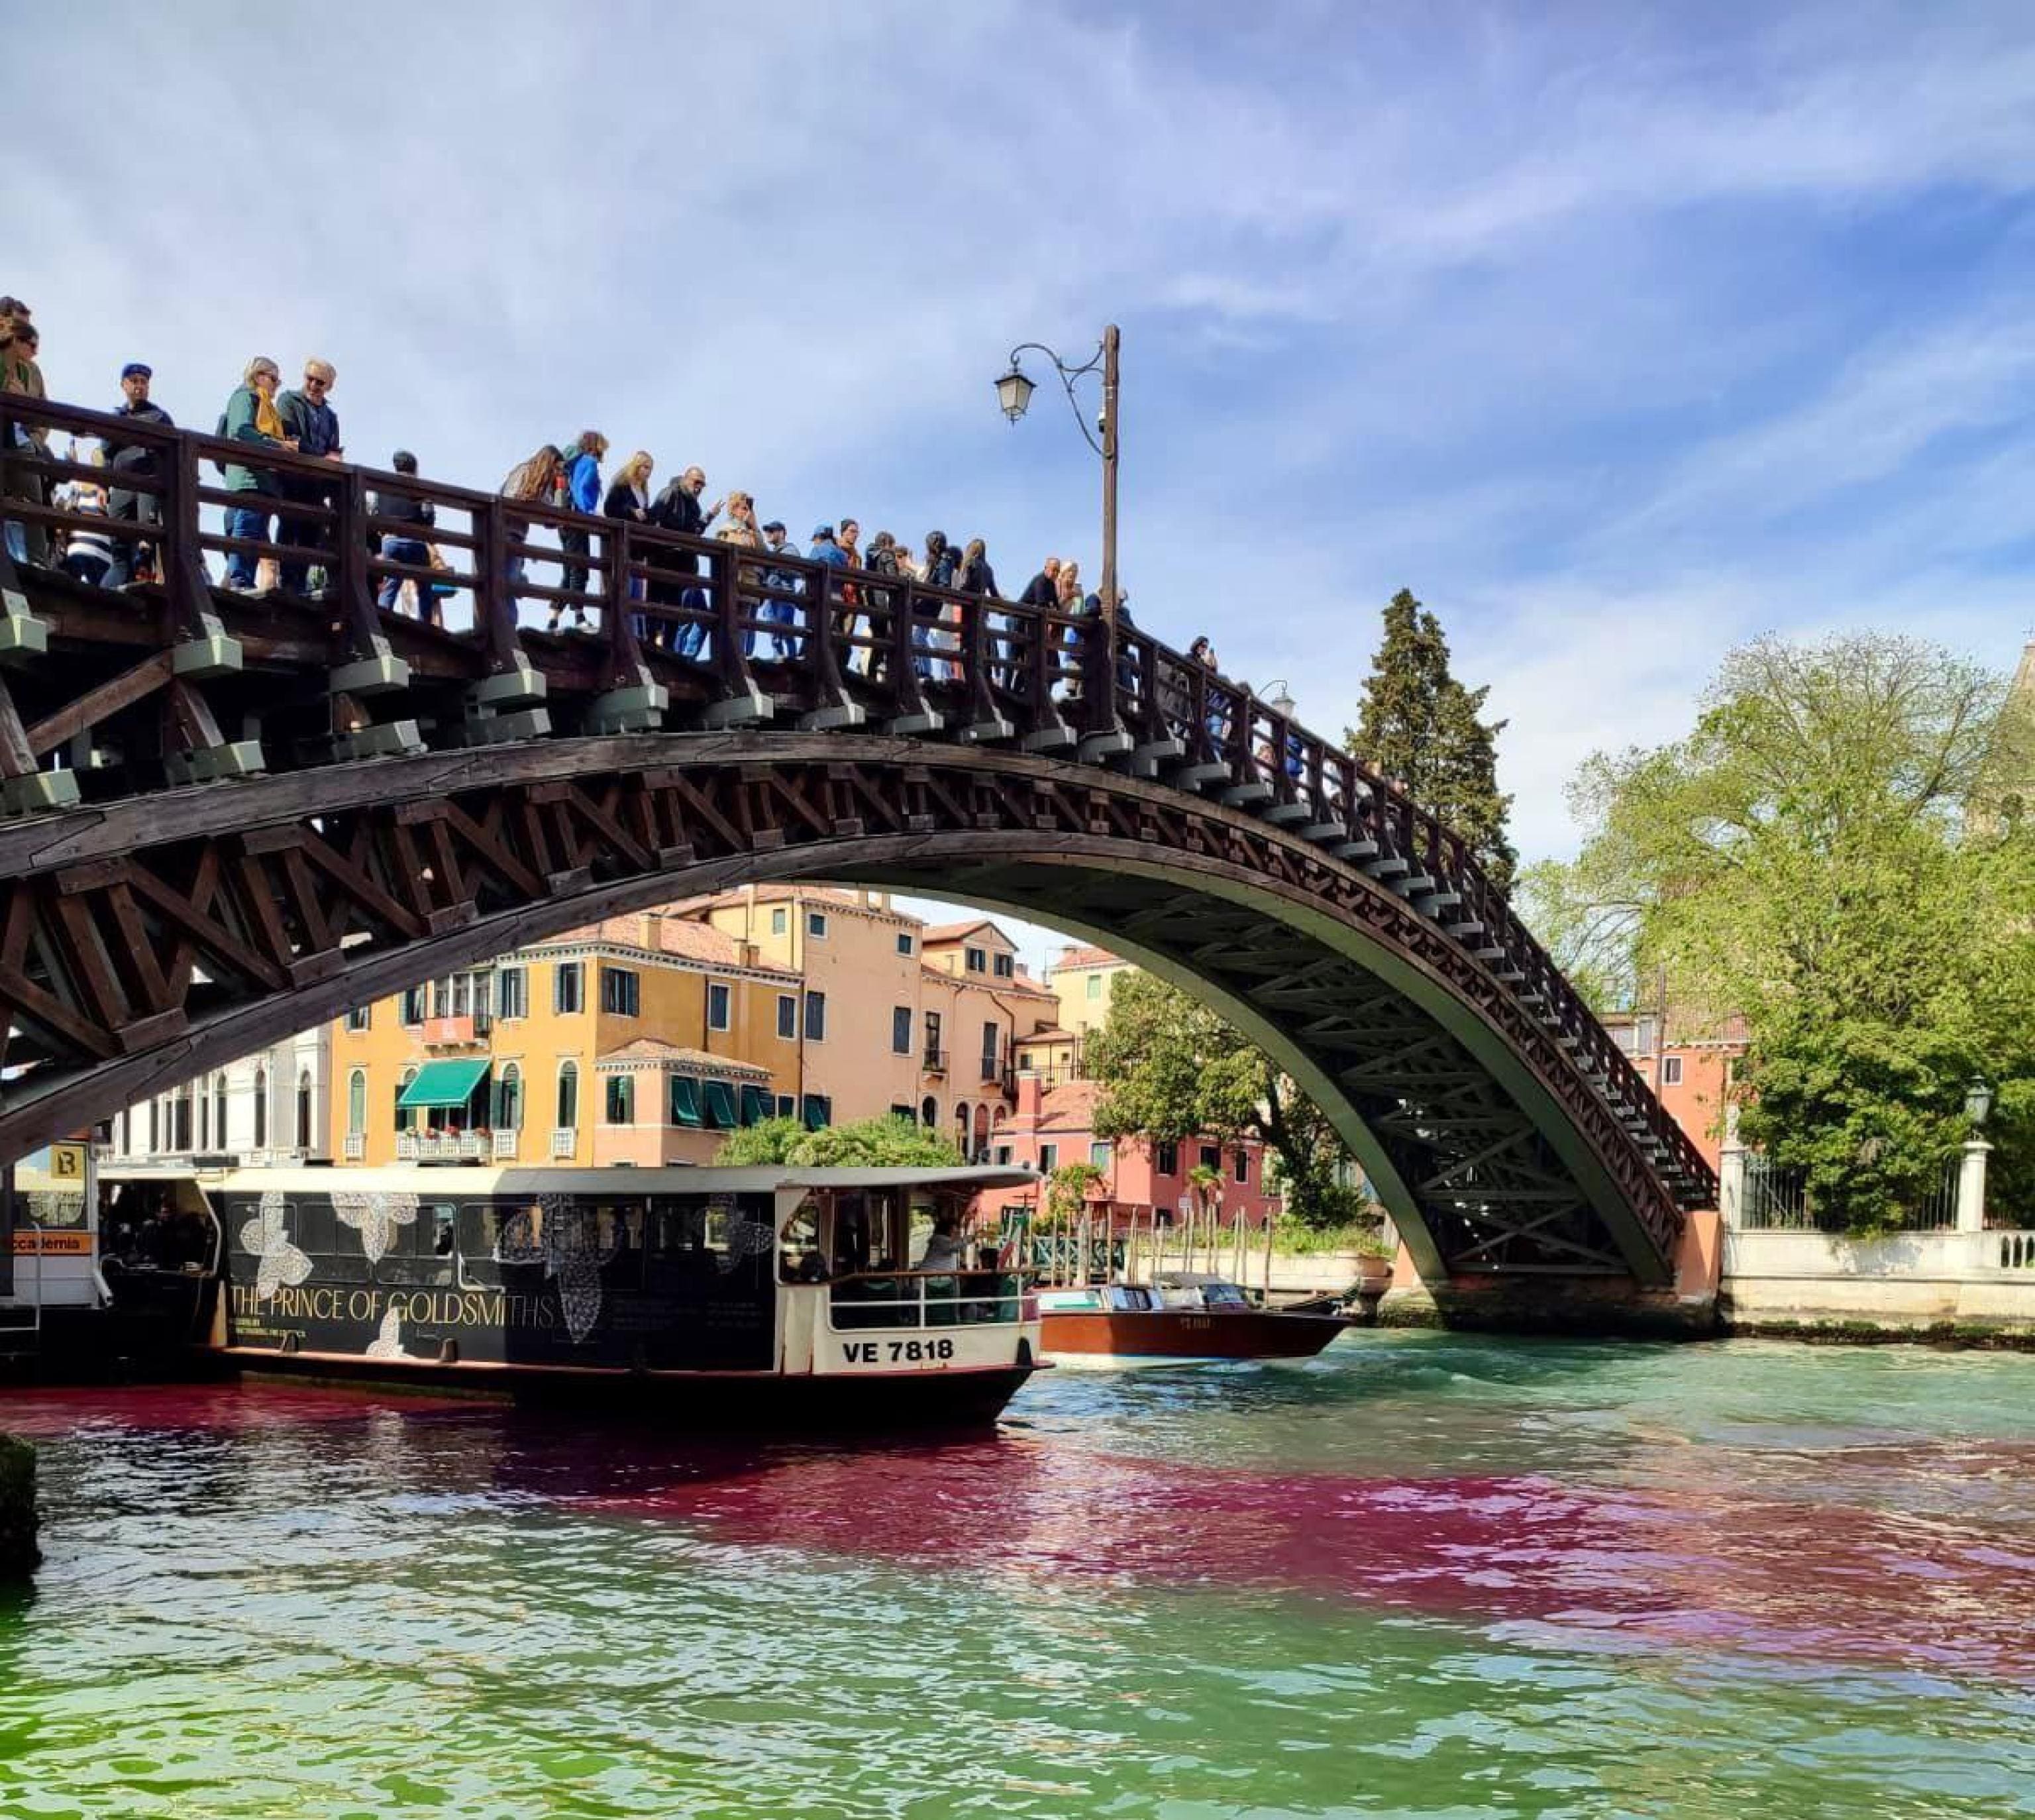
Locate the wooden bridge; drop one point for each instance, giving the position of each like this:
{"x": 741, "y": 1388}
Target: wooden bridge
{"x": 229, "y": 817}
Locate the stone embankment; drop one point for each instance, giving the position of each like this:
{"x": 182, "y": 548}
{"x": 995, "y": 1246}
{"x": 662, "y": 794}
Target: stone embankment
{"x": 18, "y": 1552}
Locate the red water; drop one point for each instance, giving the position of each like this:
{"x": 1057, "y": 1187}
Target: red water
{"x": 1919, "y": 1554}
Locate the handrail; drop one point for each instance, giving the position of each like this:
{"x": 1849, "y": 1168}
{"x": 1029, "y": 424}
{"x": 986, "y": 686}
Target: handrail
{"x": 919, "y": 654}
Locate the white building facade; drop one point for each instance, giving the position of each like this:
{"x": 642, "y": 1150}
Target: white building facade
{"x": 271, "y": 1107}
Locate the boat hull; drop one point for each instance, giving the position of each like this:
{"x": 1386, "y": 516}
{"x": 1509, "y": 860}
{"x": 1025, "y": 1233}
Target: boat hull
{"x": 754, "y": 1402}
{"x": 1185, "y": 1334}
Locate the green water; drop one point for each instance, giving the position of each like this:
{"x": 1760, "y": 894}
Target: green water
{"x": 1421, "y": 1576}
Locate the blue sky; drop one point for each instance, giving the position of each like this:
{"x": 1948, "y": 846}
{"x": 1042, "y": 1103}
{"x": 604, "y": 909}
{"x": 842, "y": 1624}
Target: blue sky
{"x": 1618, "y": 332}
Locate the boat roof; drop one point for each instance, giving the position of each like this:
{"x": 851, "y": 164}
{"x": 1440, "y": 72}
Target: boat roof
{"x": 1193, "y": 1278}
{"x": 425, "y": 1180}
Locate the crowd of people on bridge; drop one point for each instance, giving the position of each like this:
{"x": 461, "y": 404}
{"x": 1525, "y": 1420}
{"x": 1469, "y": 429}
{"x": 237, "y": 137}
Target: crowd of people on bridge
{"x": 281, "y": 507}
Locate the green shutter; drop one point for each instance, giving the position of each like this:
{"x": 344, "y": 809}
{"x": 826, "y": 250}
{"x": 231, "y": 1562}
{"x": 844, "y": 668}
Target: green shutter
{"x": 443, "y": 1084}
{"x": 719, "y": 1106}
{"x": 819, "y": 1112}
{"x": 685, "y": 1100}
{"x": 757, "y": 1104}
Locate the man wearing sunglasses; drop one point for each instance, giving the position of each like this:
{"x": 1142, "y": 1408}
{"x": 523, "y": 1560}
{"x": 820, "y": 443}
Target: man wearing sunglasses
{"x": 308, "y": 416}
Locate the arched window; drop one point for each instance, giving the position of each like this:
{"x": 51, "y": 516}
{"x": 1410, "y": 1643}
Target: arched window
{"x": 568, "y": 1095}
{"x": 261, "y": 1109}
{"x": 356, "y": 1102}
{"x": 155, "y": 1126}
{"x": 960, "y": 1127}
{"x": 219, "y": 1110}
{"x": 304, "y": 1110}
{"x": 509, "y": 1099}
{"x": 981, "y": 1133}
{"x": 929, "y": 1112}
{"x": 406, "y": 1118}
{"x": 180, "y": 1109}
{"x": 997, "y": 1116}
{"x": 203, "y": 1118}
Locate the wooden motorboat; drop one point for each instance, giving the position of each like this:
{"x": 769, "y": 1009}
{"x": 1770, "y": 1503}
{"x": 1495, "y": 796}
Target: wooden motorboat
{"x": 1180, "y": 1315}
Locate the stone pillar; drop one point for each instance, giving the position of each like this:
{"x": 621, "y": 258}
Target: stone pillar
{"x": 1731, "y": 1186}
{"x": 1971, "y": 1186}
{"x": 18, "y": 1553}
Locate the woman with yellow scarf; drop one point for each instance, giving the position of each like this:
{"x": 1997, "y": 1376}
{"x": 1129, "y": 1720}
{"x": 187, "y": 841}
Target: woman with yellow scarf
{"x": 251, "y": 417}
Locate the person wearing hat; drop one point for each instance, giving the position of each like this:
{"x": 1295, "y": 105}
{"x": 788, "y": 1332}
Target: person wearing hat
{"x": 136, "y": 464}
{"x": 400, "y": 546}
{"x": 779, "y": 608}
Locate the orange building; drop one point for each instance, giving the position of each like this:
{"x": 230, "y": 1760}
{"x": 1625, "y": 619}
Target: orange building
{"x": 1692, "y": 1074}
{"x": 922, "y": 1021}
{"x": 640, "y": 1039}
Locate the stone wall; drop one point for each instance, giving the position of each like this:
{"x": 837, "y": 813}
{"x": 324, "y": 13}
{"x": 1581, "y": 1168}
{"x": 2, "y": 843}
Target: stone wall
{"x": 1967, "y": 1285}
{"x": 18, "y": 1553}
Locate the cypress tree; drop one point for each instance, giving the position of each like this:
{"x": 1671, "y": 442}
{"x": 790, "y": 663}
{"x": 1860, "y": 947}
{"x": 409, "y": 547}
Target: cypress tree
{"x": 1419, "y": 727}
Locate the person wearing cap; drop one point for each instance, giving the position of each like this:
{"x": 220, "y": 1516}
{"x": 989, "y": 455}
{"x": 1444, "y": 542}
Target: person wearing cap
{"x": 779, "y": 608}
{"x": 403, "y": 546}
{"x": 134, "y": 463}
{"x": 678, "y": 508}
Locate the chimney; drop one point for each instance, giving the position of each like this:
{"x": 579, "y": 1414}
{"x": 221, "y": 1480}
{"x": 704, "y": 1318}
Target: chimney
{"x": 1031, "y": 1095}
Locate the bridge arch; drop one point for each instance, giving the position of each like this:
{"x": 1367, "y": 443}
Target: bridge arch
{"x": 275, "y": 903}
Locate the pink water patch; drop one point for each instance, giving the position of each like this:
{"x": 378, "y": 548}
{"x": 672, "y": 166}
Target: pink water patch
{"x": 1789, "y": 1575}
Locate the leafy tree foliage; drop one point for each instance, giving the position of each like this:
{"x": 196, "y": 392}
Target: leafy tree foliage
{"x": 1422, "y": 728}
{"x": 1837, "y": 853}
{"x": 1172, "y": 1070}
{"x": 888, "y": 1143}
{"x": 1067, "y": 1192}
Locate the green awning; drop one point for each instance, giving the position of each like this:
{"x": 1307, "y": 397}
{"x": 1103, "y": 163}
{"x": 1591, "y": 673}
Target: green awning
{"x": 685, "y": 1100}
{"x": 757, "y": 1104}
{"x": 442, "y": 1083}
{"x": 819, "y": 1112}
{"x": 720, "y": 1105}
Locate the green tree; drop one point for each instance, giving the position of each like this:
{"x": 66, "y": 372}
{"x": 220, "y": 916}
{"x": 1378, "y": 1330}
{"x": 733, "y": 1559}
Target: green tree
{"x": 1834, "y": 855}
{"x": 887, "y": 1142}
{"x": 1172, "y": 1071}
{"x": 1066, "y": 1193}
{"x": 1592, "y": 941}
{"x": 1421, "y": 727}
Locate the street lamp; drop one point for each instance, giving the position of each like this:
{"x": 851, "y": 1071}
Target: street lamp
{"x": 1013, "y": 394}
{"x": 1978, "y": 1101}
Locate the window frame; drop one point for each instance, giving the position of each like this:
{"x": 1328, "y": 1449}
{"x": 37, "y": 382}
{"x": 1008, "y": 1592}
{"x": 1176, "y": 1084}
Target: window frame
{"x": 521, "y": 975}
{"x": 787, "y": 1017}
{"x": 568, "y": 981}
{"x": 814, "y": 1026}
{"x": 618, "y": 1090}
{"x": 1666, "y": 1063}
{"x": 726, "y": 1020}
{"x": 816, "y": 925}
{"x": 628, "y": 984}
{"x": 902, "y": 1022}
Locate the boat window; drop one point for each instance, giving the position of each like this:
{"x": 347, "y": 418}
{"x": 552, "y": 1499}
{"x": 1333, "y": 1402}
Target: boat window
{"x": 443, "y": 1220}
{"x": 1224, "y": 1295}
{"x": 1129, "y": 1298}
{"x": 312, "y": 1227}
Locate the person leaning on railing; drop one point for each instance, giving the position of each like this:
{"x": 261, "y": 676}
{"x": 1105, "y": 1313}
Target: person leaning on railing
{"x": 251, "y": 417}
{"x": 134, "y": 462}
{"x": 26, "y": 443}
{"x": 308, "y": 417}
{"x": 403, "y": 546}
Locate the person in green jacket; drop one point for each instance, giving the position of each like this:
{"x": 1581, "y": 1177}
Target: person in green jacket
{"x": 251, "y": 417}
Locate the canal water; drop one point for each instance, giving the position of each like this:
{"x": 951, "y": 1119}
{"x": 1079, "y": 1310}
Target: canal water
{"x": 1423, "y": 1575}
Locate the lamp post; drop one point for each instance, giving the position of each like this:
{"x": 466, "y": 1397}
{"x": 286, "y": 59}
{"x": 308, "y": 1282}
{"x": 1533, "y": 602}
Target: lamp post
{"x": 1013, "y": 394}
{"x": 1971, "y": 1172}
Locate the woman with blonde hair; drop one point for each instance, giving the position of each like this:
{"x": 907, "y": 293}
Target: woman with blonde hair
{"x": 741, "y": 530}
{"x": 629, "y": 499}
{"x": 534, "y": 480}
{"x": 252, "y": 416}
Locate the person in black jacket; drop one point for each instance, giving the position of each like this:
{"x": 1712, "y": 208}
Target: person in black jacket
{"x": 1043, "y": 588}
{"x": 678, "y": 508}
{"x": 134, "y": 462}
{"x": 403, "y": 546}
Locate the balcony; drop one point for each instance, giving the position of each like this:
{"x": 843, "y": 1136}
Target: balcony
{"x": 440, "y": 1146}
{"x": 505, "y": 1146}
{"x": 563, "y": 1144}
{"x": 458, "y": 1032}
{"x": 356, "y": 1146}
{"x": 936, "y": 1061}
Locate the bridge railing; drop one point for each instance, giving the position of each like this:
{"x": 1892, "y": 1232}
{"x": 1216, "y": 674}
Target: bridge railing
{"x": 846, "y": 644}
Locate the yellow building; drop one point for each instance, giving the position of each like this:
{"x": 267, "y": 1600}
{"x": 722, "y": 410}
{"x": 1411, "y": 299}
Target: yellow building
{"x": 640, "y": 1039}
{"x": 921, "y": 1021}
{"x": 1082, "y": 980}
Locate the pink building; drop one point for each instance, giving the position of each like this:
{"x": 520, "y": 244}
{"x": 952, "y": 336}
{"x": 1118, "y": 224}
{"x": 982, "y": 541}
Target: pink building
{"x": 1054, "y": 1124}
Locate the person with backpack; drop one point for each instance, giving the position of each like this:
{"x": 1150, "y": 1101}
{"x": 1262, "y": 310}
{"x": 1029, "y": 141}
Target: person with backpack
{"x": 134, "y": 462}
{"x": 580, "y": 482}
{"x": 250, "y": 417}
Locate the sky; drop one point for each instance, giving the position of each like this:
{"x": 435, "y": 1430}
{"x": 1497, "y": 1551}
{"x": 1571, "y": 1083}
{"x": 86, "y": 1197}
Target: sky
{"x": 1620, "y": 333}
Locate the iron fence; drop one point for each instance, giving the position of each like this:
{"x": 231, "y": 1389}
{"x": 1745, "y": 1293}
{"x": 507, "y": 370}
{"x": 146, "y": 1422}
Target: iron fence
{"x": 1778, "y": 1200}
